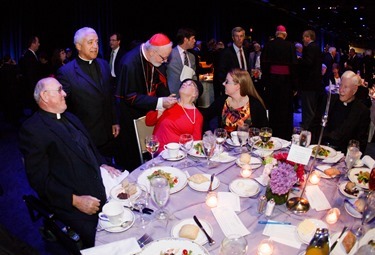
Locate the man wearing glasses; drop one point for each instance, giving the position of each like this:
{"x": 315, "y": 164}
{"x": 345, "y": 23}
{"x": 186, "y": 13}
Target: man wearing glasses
{"x": 141, "y": 87}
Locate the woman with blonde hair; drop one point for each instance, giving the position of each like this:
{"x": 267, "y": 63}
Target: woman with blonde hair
{"x": 240, "y": 104}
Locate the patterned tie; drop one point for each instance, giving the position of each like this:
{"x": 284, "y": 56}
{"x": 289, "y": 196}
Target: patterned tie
{"x": 242, "y": 60}
{"x": 111, "y": 60}
{"x": 186, "y": 61}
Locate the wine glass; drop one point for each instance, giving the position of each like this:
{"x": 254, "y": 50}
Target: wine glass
{"x": 265, "y": 134}
{"x": 253, "y": 137}
{"x": 152, "y": 146}
{"x": 220, "y": 134}
{"x": 139, "y": 201}
{"x": 296, "y": 134}
{"x": 209, "y": 144}
{"x": 305, "y": 138}
{"x": 186, "y": 142}
{"x": 233, "y": 245}
{"x": 367, "y": 215}
{"x": 352, "y": 155}
{"x": 160, "y": 191}
{"x": 243, "y": 134}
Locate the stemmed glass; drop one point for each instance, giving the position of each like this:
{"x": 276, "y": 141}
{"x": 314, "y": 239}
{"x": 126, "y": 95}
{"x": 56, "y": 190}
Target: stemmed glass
{"x": 152, "y": 146}
{"x": 367, "y": 215}
{"x": 296, "y": 134}
{"x": 352, "y": 155}
{"x": 160, "y": 191}
{"x": 186, "y": 142}
{"x": 305, "y": 138}
{"x": 253, "y": 137}
{"x": 139, "y": 201}
{"x": 243, "y": 134}
{"x": 209, "y": 144}
{"x": 265, "y": 134}
{"x": 220, "y": 134}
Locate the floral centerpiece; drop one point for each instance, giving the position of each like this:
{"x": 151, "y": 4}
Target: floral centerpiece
{"x": 283, "y": 175}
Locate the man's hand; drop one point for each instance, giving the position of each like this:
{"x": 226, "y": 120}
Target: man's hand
{"x": 115, "y": 130}
{"x": 113, "y": 172}
{"x": 168, "y": 102}
{"x": 86, "y": 204}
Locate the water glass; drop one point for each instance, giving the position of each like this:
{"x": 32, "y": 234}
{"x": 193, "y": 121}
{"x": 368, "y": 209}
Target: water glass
{"x": 243, "y": 134}
{"x": 233, "y": 245}
{"x": 305, "y": 138}
{"x": 221, "y": 135}
{"x": 160, "y": 191}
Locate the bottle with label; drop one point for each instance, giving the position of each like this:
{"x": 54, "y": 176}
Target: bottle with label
{"x": 371, "y": 181}
{"x": 319, "y": 244}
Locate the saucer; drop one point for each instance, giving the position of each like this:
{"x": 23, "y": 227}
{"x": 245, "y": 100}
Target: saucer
{"x": 164, "y": 154}
{"x": 128, "y": 215}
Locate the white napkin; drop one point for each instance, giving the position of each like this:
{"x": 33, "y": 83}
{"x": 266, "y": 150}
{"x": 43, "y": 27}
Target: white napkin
{"x": 263, "y": 179}
{"x": 334, "y": 159}
{"x": 123, "y": 247}
{"x": 262, "y": 153}
{"x": 110, "y": 182}
{"x": 187, "y": 73}
{"x": 317, "y": 199}
{"x": 229, "y": 222}
{"x": 368, "y": 161}
{"x": 284, "y": 143}
{"x": 229, "y": 199}
{"x": 223, "y": 157}
{"x": 277, "y": 233}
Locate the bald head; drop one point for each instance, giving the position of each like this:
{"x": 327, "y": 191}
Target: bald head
{"x": 349, "y": 85}
{"x": 50, "y": 96}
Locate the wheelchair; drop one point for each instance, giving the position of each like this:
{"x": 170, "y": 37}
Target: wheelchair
{"x": 53, "y": 229}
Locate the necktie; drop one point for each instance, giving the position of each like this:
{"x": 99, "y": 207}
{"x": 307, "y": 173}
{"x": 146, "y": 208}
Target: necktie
{"x": 111, "y": 60}
{"x": 242, "y": 60}
{"x": 186, "y": 61}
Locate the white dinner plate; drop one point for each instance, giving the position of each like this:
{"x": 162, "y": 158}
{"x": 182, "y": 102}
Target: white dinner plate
{"x": 164, "y": 154}
{"x": 201, "y": 237}
{"x": 128, "y": 216}
{"x": 331, "y": 152}
{"x": 254, "y": 163}
{"x": 175, "y": 172}
{"x": 194, "y": 152}
{"x": 276, "y": 145}
{"x": 119, "y": 189}
{"x": 160, "y": 246}
{"x": 370, "y": 235}
{"x": 351, "y": 211}
{"x": 223, "y": 157}
{"x": 306, "y": 237}
{"x": 342, "y": 190}
{"x": 358, "y": 163}
{"x": 205, "y": 185}
{"x": 353, "y": 176}
{"x": 339, "y": 248}
{"x": 244, "y": 187}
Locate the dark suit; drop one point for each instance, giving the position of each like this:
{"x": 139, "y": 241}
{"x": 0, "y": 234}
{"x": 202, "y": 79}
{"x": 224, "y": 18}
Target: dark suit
{"x": 56, "y": 168}
{"x": 227, "y": 60}
{"x": 91, "y": 101}
{"x": 120, "y": 53}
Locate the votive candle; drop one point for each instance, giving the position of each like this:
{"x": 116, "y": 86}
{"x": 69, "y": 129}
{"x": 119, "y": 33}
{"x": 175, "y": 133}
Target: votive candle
{"x": 265, "y": 247}
{"x": 314, "y": 178}
{"x": 246, "y": 171}
{"x": 332, "y": 215}
{"x": 211, "y": 199}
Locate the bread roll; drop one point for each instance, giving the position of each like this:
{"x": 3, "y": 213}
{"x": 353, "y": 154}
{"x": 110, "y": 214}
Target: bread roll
{"x": 189, "y": 231}
{"x": 332, "y": 171}
{"x": 349, "y": 241}
{"x": 245, "y": 158}
{"x": 360, "y": 205}
{"x": 350, "y": 186}
{"x": 198, "y": 178}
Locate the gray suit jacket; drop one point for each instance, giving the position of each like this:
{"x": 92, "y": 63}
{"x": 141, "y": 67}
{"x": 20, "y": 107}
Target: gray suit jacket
{"x": 174, "y": 69}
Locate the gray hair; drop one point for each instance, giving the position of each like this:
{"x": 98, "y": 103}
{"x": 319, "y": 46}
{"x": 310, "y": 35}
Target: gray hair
{"x": 331, "y": 49}
{"x": 39, "y": 87}
{"x": 81, "y": 33}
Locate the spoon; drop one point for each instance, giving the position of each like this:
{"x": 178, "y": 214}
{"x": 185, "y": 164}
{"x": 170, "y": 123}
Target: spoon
{"x": 122, "y": 225}
{"x": 211, "y": 181}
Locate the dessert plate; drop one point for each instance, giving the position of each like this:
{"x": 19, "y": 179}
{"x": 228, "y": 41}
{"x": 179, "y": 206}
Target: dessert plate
{"x": 351, "y": 211}
{"x": 201, "y": 237}
{"x": 205, "y": 185}
{"x": 305, "y": 235}
{"x": 164, "y": 154}
{"x": 339, "y": 248}
{"x": 244, "y": 187}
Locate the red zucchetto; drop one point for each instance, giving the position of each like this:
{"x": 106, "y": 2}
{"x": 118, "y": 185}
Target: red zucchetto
{"x": 159, "y": 40}
{"x": 281, "y": 28}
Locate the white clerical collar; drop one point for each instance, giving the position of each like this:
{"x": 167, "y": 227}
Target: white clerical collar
{"x": 143, "y": 52}
{"x": 58, "y": 116}
{"x": 90, "y": 61}
{"x": 345, "y": 103}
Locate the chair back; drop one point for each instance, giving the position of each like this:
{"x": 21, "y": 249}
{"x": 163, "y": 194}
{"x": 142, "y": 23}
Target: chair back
{"x": 141, "y": 131}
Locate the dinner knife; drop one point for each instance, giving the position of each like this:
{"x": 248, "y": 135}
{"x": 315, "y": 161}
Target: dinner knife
{"x": 337, "y": 240}
{"x": 274, "y": 222}
{"x": 351, "y": 205}
{"x": 211, "y": 181}
{"x": 145, "y": 210}
{"x": 209, "y": 238}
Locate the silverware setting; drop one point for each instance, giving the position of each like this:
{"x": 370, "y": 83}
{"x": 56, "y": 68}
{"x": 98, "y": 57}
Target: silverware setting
{"x": 211, "y": 181}
{"x": 338, "y": 239}
{"x": 209, "y": 238}
{"x": 122, "y": 225}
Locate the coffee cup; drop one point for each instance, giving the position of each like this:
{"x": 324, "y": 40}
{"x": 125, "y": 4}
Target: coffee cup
{"x": 112, "y": 212}
{"x": 173, "y": 149}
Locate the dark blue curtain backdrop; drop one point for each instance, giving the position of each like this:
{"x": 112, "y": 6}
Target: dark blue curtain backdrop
{"x": 55, "y": 21}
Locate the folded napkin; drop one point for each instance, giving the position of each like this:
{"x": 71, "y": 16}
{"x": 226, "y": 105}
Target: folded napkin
{"x": 229, "y": 222}
{"x": 368, "y": 161}
{"x": 284, "y": 143}
{"x": 110, "y": 182}
{"x": 123, "y": 247}
{"x": 278, "y": 234}
{"x": 223, "y": 157}
{"x": 334, "y": 159}
{"x": 317, "y": 199}
{"x": 262, "y": 153}
{"x": 229, "y": 199}
{"x": 263, "y": 179}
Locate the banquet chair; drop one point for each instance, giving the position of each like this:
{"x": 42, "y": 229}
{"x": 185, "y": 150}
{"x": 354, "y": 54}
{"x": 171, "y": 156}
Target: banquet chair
{"x": 141, "y": 131}
{"x": 53, "y": 229}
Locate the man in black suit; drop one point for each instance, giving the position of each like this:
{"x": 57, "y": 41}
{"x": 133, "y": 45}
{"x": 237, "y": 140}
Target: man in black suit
{"x": 87, "y": 82}
{"x": 62, "y": 163}
{"x": 116, "y": 53}
{"x": 230, "y": 58}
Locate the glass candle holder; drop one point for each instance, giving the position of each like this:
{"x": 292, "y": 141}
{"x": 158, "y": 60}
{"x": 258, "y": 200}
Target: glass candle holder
{"x": 211, "y": 199}
{"x": 265, "y": 247}
{"x": 246, "y": 171}
{"x": 314, "y": 178}
{"x": 332, "y": 215}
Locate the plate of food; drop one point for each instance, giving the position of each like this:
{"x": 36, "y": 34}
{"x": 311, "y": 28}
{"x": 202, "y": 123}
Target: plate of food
{"x": 197, "y": 150}
{"x": 272, "y": 145}
{"x": 165, "y": 155}
{"x": 109, "y": 227}
{"x": 327, "y": 171}
{"x": 123, "y": 191}
{"x": 173, "y": 245}
{"x": 244, "y": 187}
{"x": 360, "y": 176}
{"x": 349, "y": 189}
{"x": 348, "y": 243}
{"x": 223, "y": 157}
{"x": 306, "y": 229}
{"x": 188, "y": 229}
{"x": 354, "y": 207}
{"x": 201, "y": 182}
{"x": 247, "y": 159}
{"x": 176, "y": 178}
{"x": 324, "y": 151}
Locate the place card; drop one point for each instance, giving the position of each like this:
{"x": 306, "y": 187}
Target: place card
{"x": 299, "y": 154}
{"x": 277, "y": 233}
{"x": 229, "y": 222}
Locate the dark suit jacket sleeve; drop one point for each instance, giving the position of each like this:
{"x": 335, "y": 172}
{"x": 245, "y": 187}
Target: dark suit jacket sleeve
{"x": 258, "y": 113}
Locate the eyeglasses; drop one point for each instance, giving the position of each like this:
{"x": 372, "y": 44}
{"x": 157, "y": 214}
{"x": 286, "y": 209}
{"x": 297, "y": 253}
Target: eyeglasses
{"x": 59, "y": 90}
{"x": 164, "y": 60}
{"x": 228, "y": 83}
{"x": 113, "y": 40}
